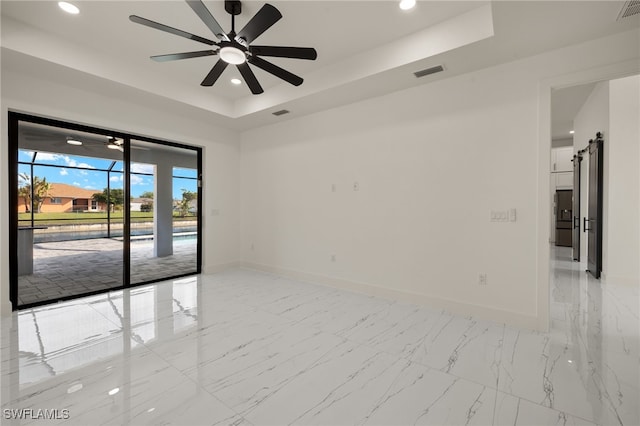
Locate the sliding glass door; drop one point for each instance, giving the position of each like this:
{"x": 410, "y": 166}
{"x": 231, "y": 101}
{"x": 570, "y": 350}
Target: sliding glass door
{"x": 94, "y": 210}
{"x": 164, "y": 211}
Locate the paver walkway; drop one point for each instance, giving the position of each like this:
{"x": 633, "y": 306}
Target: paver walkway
{"x": 80, "y": 266}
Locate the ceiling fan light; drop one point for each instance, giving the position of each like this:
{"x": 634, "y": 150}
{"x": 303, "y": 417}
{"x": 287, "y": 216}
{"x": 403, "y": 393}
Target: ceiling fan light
{"x": 407, "y": 4}
{"x": 236, "y": 81}
{"x": 74, "y": 142}
{"x": 112, "y": 145}
{"x": 232, "y": 55}
{"x": 68, "y": 7}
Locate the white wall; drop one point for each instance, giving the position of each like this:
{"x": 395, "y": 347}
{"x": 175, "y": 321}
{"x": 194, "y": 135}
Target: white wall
{"x": 431, "y": 163}
{"x": 623, "y": 244}
{"x": 593, "y": 117}
{"x": 221, "y": 156}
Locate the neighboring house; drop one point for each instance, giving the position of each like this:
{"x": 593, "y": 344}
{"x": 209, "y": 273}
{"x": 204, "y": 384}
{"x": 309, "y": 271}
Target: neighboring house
{"x": 67, "y": 198}
{"x": 137, "y": 203}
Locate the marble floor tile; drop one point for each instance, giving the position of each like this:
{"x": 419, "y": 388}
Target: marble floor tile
{"x": 354, "y": 384}
{"x": 511, "y": 410}
{"x": 464, "y": 347}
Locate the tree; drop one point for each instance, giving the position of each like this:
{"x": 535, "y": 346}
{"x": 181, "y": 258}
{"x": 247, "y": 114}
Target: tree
{"x": 41, "y": 189}
{"x": 114, "y": 198}
{"x": 185, "y": 203}
{"x": 147, "y": 194}
{"x": 24, "y": 190}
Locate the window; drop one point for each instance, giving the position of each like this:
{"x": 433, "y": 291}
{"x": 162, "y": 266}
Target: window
{"x": 56, "y": 200}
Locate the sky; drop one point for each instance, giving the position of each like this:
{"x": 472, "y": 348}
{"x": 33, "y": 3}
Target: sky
{"x": 84, "y": 172}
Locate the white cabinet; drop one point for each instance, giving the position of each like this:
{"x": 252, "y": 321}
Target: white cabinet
{"x": 561, "y": 159}
{"x": 564, "y": 180}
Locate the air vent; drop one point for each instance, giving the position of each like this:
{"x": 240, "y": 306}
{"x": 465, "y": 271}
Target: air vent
{"x": 281, "y": 112}
{"x": 629, "y": 8}
{"x": 428, "y": 71}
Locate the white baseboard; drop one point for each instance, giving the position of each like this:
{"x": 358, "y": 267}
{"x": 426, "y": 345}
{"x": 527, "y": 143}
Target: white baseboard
{"x": 514, "y": 319}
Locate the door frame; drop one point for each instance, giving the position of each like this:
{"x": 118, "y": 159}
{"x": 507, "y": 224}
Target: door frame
{"x": 14, "y": 119}
{"x": 545, "y": 87}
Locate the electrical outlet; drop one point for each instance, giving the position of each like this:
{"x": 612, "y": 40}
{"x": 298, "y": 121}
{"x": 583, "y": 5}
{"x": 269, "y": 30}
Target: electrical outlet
{"x": 356, "y": 186}
{"x": 482, "y": 279}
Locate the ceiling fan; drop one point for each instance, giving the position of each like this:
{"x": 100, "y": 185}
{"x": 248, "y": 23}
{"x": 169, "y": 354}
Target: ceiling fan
{"x": 235, "y": 48}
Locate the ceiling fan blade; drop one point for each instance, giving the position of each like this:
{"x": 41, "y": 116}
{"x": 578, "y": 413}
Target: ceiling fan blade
{"x": 186, "y": 55}
{"x": 285, "y": 52}
{"x": 250, "y": 78}
{"x": 276, "y": 70}
{"x": 261, "y": 21}
{"x": 201, "y": 10}
{"x": 168, "y": 29}
{"x": 214, "y": 73}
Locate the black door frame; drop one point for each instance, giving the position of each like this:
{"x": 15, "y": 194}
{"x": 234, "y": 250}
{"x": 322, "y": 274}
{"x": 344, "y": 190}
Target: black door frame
{"x": 14, "y": 119}
{"x": 575, "y": 236}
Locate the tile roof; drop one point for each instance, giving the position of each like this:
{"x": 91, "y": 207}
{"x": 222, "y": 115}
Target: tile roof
{"x": 62, "y": 190}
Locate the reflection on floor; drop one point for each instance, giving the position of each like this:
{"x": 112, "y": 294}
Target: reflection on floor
{"x": 80, "y": 266}
{"x": 242, "y": 348}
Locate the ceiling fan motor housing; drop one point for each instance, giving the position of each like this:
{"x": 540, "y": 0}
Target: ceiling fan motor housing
{"x": 233, "y": 7}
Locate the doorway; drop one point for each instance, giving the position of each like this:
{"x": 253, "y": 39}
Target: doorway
{"x": 91, "y": 211}
{"x": 610, "y": 110}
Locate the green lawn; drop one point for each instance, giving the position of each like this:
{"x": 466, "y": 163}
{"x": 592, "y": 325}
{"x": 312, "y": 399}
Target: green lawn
{"x": 89, "y": 217}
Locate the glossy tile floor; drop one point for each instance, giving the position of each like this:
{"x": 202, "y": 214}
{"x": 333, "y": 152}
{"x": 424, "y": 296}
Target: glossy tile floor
{"x": 244, "y": 348}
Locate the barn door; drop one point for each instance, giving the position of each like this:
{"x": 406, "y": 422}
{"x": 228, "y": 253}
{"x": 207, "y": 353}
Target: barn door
{"x": 593, "y": 222}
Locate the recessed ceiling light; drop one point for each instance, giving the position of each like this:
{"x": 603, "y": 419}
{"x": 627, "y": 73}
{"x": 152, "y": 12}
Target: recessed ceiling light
{"x": 114, "y": 391}
{"x": 74, "y": 142}
{"x": 68, "y": 7}
{"x": 407, "y": 4}
{"x": 236, "y": 81}
{"x": 571, "y": 132}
